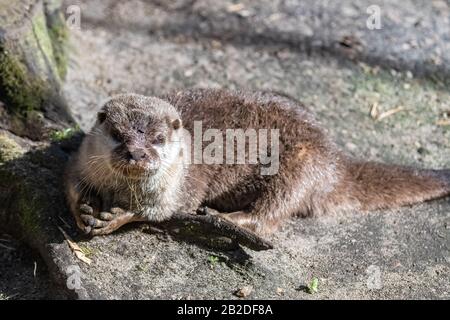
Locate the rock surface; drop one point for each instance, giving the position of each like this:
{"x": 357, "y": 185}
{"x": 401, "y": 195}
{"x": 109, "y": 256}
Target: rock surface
{"x": 313, "y": 51}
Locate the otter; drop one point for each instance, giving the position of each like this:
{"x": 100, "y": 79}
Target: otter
{"x": 132, "y": 165}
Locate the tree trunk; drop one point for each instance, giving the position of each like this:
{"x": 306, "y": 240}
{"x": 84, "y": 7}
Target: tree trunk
{"x": 33, "y": 62}
{"x": 34, "y": 125}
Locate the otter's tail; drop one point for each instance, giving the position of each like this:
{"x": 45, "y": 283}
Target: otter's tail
{"x": 380, "y": 186}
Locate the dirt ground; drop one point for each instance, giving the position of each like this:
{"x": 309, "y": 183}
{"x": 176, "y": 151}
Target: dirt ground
{"x": 320, "y": 52}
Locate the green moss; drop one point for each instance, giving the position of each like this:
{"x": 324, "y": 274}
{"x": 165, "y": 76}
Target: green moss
{"x": 17, "y": 88}
{"x": 25, "y": 203}
{"x": 3, "y": 297}
{"x": 33, "y": 66}
{"x": 213, "y": 260}
{"x": 421, "y": 99}
{"x": 87, "y": 251}
{"x": 313, "y": 286}
{"x": 29, "y": 214}
{"x": 142, "y": 268}
{"x": 22, "y": 90}
{"x": 60, "y": 135}
{"x": 41, "y": 39}
{"x": 59, "y": 35}
{"x": 21, "y": 201}
{"x": 9, "y": 149}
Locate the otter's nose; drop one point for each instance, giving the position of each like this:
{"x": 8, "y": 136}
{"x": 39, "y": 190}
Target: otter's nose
{"x": 137, "y": 155}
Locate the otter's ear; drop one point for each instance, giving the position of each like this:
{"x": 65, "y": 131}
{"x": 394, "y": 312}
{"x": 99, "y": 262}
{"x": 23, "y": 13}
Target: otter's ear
{"x": 176, "y": 124}
{"x": 101, "y": 116}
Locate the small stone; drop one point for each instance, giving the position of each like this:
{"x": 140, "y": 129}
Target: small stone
{"x": 245, "y": 13}
{"x": 351, "y": 146}
{"x": 406, "y": 46}
{"x": 244, "y": 292}
{"x": 306, "y": 30}
{"x": 436, "y": 60}
{"x": 275, "y": 17}
{"x": 350, "y": 11}
{"x": 122, "y": 248}
{"x": 280, "y": 291}
{"x": 216, "y": 44}
{"x": 188, "y": 73}
{"x": 284, "y": 54}
{"x": 439, "y": 4}
{"x": 236, "y": 7}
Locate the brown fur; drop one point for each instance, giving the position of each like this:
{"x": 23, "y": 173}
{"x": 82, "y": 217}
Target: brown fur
{"x": 314, "y": 176}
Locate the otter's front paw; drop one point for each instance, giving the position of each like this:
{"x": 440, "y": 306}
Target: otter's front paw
{"x": 84, "y": 210}
{"x": 107, "y": 222}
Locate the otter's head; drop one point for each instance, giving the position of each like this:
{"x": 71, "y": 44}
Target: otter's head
{"x": 142, "y": 134}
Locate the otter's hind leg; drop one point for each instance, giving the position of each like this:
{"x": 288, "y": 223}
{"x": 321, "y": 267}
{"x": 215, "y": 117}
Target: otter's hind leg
{"x": 277, "y": 201}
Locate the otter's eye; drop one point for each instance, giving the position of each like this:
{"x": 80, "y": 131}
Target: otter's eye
{"x": 160, "y": 139}
{"x": 115, "y": 135}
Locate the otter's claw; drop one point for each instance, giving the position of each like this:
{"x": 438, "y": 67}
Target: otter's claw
{"x": 93, "y": 222}
{"x": 107, "y": 216}
{"x": 84, "y": 209}
{"x": 204, "y": 211}
{"x": 87, "y": 209}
